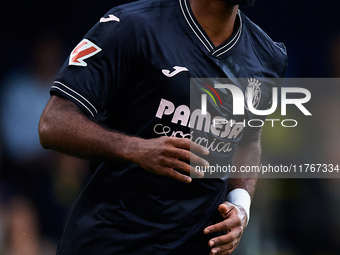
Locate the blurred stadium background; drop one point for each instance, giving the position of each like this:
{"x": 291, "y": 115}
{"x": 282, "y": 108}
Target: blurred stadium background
{"x": 37, "y": 187}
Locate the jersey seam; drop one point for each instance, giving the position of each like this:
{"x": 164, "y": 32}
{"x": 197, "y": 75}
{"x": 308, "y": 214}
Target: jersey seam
{"x": 264, "y": 35}
{"x": 75, "y": 92}
{"x": 63, "y": 91}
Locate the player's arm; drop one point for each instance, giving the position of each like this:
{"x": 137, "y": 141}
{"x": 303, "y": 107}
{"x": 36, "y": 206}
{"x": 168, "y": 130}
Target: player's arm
{"x": 235, "y": 211}
{"x": 64, "y": 128}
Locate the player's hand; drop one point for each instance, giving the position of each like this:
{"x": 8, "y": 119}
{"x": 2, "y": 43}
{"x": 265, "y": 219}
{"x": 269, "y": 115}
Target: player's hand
{"x": 234, "y": 223}
{"x": 168, "y": 156}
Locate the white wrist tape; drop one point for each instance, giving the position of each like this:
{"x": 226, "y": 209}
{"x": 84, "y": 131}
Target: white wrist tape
{"x": 242, "y": 198}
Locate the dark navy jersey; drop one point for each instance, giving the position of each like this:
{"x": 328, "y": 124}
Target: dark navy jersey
{"x": 132, "y": 73}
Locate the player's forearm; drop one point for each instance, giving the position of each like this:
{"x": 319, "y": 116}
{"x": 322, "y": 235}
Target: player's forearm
{"x": 64, "y": 128}
{"x": 248, "y": 154}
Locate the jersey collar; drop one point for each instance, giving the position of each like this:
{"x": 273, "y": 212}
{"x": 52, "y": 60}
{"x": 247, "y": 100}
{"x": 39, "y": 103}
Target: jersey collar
{"x": 198, "y": 33}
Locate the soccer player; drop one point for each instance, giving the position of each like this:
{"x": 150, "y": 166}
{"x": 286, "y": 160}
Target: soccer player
{"x": 123, "y": 97}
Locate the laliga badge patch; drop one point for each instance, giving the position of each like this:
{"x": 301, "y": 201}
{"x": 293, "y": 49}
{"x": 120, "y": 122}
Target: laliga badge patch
{"x": 84, "y": 50}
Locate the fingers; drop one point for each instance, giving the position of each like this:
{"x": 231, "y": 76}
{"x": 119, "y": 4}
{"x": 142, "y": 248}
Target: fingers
{"x": 174, "y": 165}
{"x": 232, "y": 225}
{"x": 227, "y": 243}
{"x": 226, "y": 249}
{"x": 230, "y": 237}
{"x": 186, "y": 144}
{"x": 181, "y": 153}
{"x": 221, "y": 226}
{"x": 186, "y": 155}
{"x": 169, "y": 156}
{"x": 177, "y": 176}
{"x": 223, "y": 209}
{"x": 232, "y": 215}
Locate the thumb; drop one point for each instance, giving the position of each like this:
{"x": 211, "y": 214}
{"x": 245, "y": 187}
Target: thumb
{"x": 225, "y": 208}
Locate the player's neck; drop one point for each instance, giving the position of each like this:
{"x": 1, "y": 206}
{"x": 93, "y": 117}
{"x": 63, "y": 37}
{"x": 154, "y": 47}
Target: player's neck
{"x": 216, "y": 18}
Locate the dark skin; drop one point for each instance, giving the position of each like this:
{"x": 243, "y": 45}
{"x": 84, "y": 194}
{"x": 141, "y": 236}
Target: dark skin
{"x": 217, "y": 18}
{"x": 64, "y": 128}
{"x": 234, "y": 217}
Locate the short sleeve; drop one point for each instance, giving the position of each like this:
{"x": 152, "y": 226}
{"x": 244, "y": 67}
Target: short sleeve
{"x": 99, "y": 64}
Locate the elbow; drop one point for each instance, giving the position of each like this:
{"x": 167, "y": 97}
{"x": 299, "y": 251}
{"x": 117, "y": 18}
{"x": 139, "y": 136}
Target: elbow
{"x": 45, "y": 131}
{"x": 50, "y": 128}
